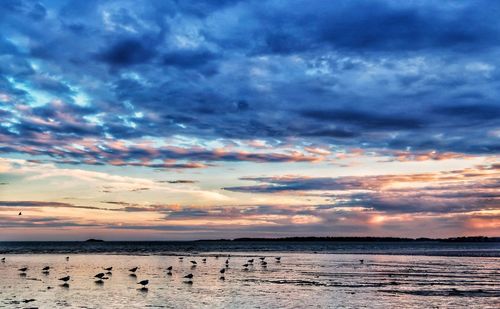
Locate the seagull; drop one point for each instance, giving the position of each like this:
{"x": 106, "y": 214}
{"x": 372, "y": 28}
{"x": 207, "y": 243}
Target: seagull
{"x": 194, "y": 262}
{"x": 262, "y": 258}
{"x": 23, "y": 269}
{"x": 65, "y": 279}
{"x": 143, "y": 283}
{"x": 108, "y": 268}
{"x": 278, "y": 259}
{"x": 133, "y": 269}
{"x": 263, "y": 263}
{"x": 250, "y": 261}
{"x": 46, "y": 268}
{"x": 3, "y": 260}
{"x": 67, "y": 258}
{"x": 361, "y": 261}
{"x": 100, "y": 275}
{"x": 189, "y": 276}
{"x": 20, "y": 213}
{"x": 181, "y": 258}
{"x": 169, "y": 268}
{"x": 245, "y": 265}
{"x": 222, "y": 271}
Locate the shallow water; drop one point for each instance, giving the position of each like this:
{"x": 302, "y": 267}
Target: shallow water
{"x": 300, "y": 280}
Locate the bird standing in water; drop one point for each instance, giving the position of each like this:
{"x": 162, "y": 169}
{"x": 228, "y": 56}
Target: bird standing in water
{"x": 143, "y": 283}
{"x": 65, "y": 279}
{"x": 133, "y": 269}
{"x": 99, "y": 275}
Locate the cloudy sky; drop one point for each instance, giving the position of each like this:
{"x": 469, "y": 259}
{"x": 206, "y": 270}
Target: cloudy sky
{"x": 211, "y": 119}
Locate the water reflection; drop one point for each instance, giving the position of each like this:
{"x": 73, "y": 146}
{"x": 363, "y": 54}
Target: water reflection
{"x": 385, "y": 281}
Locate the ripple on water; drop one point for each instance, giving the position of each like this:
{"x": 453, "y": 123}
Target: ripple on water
{"x": 300, "y": 280}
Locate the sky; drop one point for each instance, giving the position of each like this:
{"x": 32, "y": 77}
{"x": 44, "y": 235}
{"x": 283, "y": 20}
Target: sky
{"x": 166, "y": 120}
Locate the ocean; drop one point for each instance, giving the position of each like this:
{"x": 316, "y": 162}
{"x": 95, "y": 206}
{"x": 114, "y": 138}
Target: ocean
{"x": 308, "y": 275}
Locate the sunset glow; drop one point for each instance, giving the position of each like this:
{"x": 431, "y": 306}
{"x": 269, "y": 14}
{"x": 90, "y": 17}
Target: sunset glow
{"x": 226, "y": 119}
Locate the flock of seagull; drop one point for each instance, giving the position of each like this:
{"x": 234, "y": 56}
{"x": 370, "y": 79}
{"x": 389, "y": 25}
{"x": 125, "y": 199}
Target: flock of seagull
{"x": 102, "y": 276}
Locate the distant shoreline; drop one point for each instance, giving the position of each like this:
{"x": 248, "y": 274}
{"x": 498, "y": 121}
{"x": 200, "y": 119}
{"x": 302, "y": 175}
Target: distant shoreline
{"x": 468, "y": 239}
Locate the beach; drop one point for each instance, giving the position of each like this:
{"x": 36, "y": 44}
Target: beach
{"x": 299, "y": 280}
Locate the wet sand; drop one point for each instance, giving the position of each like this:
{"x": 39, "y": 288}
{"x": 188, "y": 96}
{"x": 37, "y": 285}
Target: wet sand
{"x": 300, "y": 280}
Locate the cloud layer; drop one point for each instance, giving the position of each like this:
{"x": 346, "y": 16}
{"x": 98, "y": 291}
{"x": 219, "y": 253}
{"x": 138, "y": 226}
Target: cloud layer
{"x": 382, "y": 74}
{"x": 102, "y": 101}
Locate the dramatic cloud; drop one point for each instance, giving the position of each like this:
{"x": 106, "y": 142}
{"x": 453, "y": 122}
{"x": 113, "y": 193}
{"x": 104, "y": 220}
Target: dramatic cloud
{"x": 163, "y": 103}
{"x": 382, "y": 74}
{"x": 458, "y": 191}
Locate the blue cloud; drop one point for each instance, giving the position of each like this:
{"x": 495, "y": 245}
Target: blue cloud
{"x": 371, "y": 74}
